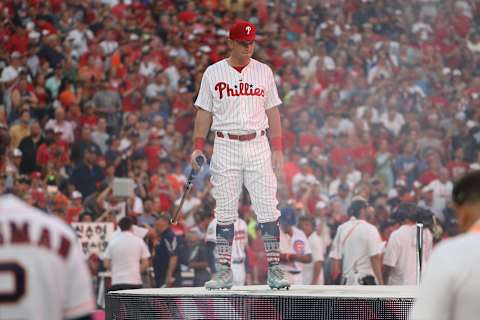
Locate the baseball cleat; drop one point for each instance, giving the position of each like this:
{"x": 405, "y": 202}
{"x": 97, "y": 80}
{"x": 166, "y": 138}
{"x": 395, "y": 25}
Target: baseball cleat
{"x": 276, "y": 278}
{"x": 223, "y": 279}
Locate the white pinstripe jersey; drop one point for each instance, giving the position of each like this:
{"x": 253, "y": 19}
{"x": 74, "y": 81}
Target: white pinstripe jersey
{"x": 43, "y": 274}
{"x": 238, "y": 100}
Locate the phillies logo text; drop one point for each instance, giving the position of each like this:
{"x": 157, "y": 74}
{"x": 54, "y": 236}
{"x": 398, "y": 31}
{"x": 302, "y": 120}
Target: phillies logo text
{"x": 243, "y": 89}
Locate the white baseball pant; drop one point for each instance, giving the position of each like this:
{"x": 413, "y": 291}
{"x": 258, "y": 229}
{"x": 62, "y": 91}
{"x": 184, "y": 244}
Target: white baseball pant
{"x": 237, "y": 163}
{"x": 239, "y": 274}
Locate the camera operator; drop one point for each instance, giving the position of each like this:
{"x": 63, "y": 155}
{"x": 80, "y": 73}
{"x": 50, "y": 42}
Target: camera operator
{"x": 399, "y": 261}
{"x": 356, "y": 249}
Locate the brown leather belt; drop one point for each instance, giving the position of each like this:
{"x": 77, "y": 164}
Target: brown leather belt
{"x": 243, "y": 137}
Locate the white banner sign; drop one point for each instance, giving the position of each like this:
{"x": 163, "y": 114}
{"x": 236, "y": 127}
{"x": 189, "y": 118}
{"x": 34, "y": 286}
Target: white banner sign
{"x": 93, "y": 236}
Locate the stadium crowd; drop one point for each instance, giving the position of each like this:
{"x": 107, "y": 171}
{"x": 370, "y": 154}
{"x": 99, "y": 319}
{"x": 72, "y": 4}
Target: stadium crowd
{"x": 381, "y": 100}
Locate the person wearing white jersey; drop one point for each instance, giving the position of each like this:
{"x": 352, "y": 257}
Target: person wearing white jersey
{"x": 42, "y": 267}
{"x": 239, "y": 246}
{"x": 356, "y": 249}
{"x": 43, "y": 274}
{"x": 127, "y": 255}
{"x": 312, "y": 272}
{"x": 400, "y": 257}
{"x": 295, "y": 249}
{"x": 238, "y": 98}
{"x": 451, "y": 281}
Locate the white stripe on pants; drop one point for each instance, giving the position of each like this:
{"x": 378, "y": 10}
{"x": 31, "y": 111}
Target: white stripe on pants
{"x": 239, "y": 275}
{"x": 236, "y": 163}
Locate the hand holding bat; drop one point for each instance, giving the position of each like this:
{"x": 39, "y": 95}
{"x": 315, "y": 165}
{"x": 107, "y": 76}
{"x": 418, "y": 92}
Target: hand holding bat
{"x": 199, "y": 160}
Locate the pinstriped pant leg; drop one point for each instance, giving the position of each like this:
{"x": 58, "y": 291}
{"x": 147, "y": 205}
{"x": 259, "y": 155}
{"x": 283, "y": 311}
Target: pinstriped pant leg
{"x": 227, "y": 179}
{"x": 260, "y": 180}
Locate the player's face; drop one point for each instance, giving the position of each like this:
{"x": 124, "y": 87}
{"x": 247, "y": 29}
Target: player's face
{"x": 307, "y": 227}
{"x": 243, "y": 49}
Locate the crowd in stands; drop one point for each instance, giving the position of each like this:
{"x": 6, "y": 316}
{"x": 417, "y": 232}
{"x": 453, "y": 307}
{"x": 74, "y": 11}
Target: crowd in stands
{"x": 381, "y": 100}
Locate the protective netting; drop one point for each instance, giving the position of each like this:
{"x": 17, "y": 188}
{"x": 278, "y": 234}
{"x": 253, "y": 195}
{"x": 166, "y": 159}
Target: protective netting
{"x": 134, "y": 306}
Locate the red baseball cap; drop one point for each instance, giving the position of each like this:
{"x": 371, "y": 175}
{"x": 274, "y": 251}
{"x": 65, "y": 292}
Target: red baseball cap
{"x": 242, "y": 31}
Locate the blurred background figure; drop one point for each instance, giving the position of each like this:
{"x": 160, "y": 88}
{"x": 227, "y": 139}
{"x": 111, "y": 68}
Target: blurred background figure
{"x": 295, "y": 251}
{"x": 357, "y": 249}
{"x": 126, "y": 268}
{"x": 400, "y": 257}
{"x": 454, "y": 263}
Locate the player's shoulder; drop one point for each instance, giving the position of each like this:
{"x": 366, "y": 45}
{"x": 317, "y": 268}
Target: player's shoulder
{"x": 260, "y": 65}
{"x": 217, "y": 66}
{"x": 368, "y": 226}
{"x": 11, "y": 206}
{"x": 347, "y": 224}
{"x": 462, "y": 245}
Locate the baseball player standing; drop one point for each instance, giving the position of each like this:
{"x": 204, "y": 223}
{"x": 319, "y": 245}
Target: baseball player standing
{"x": 239, "y": 247}
{"x": 42, "y": 267}
{"x": 238, "y": 98}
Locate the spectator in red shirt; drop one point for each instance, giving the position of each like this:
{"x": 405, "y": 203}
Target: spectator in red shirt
{"x": 54, "y": 151}
{"x": 364, "y": 154}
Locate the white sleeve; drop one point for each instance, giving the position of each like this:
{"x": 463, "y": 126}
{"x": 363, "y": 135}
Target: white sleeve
{"x": 316, "y": 244}
{"x": 108, "y": 251}
{"x": 139, "y": 231}
{"x": 272, "y": 98}
{"x": 79, "y": 299}
{"x": 145, "y": 252}
{"x": 391, "y": 252}
{"x": 211, "y": 235}
{"x": 205, "y": 96}
{"x": 336, "y": 251}
{"x": 434, "y": 297}
{"x": 374, "y": 242}
{"x": 138, "y": 206}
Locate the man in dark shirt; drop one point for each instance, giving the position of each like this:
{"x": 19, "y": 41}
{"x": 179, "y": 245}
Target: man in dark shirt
{"x": 166, "y": 262}
{"x": 85, "y": 142}
{"x": 29, "y": 147}
{"x": 86, "y": 174}
{"x": 198, "y": 260}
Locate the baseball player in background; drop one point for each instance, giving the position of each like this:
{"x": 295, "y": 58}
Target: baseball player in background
{"x": 295, "y": 249}
{"x": 238, "y": 98}
{"x": 312, "y": 272}
{"x": 239, "y": 247}
{"x": 42, "y": 269}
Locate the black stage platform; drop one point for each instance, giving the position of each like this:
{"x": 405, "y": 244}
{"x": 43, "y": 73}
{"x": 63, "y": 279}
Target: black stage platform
{"x": 259, "y": 302}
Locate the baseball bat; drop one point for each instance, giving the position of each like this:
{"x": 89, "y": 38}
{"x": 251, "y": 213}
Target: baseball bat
{"x": 186, "y": 188}
{"x": 419, "y": 251}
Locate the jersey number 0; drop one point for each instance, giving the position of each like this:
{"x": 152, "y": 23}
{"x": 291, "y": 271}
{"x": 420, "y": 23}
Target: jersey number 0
{"x": 18, "y": 273}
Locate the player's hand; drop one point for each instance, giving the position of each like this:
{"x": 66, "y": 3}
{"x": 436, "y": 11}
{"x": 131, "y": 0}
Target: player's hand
{"x": 193, "y": 158}
{"x": 277, "y": 162}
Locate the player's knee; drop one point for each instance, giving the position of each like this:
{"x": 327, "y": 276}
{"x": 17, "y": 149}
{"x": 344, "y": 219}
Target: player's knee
{"x": 267, "y": 216}
{"x": 223, "y": 219}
